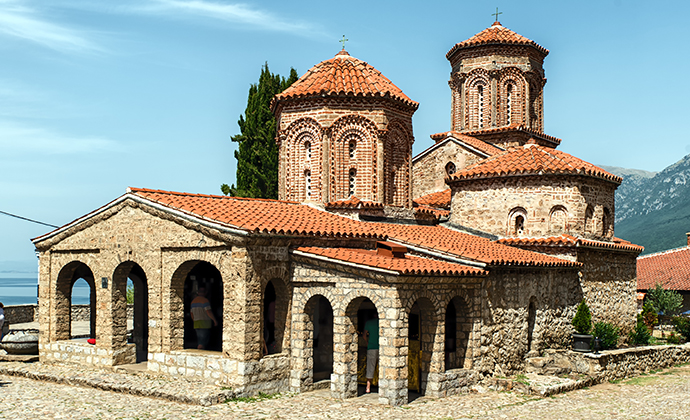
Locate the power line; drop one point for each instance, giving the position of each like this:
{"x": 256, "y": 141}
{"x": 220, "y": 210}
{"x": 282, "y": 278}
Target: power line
{"x": 27, "y": 219}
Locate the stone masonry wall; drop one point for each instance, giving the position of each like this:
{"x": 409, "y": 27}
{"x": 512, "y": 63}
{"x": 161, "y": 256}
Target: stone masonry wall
{"x": 429, "y": 171}
{"x": 550, "y": 205}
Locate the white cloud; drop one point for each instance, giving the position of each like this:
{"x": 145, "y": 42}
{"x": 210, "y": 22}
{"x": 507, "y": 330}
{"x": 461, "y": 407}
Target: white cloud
{"x": 20, "y": 21}
{"x": 19, "y": 138}
{"x": 236, "y": 13}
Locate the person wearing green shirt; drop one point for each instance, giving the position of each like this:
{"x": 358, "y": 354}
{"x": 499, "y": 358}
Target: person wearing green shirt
{"x": 371, "y": 331}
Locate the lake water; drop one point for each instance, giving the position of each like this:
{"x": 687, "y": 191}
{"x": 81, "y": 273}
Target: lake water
{"x": 23, "y": 291}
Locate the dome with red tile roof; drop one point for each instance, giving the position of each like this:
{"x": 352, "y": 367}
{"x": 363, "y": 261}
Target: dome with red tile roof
{"x": 496, "y": 34}
{"x": 532, "y": 159}
{"x": 344, "y": 75}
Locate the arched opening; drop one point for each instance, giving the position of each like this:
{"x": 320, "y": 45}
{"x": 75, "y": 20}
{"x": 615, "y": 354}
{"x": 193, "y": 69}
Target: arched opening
{"x": 589, "y": 220}
{"x": 607, "y": 224}
{"x": 275, "y": 304}
{"x": 458, "y": 327}
{"x": 480, "y": 105}
{"x": 517, "y": 219}
{"x": 532, "y": 351}
{"x": 367, "y": 322}
{"x": 558, "y": 219}
{"x": 203, "y": 292}
{"x": 322, "y": 339}
{"x": 129, "y": 280}
{"x": 75, "y": 286}
{"x": 450, "y": 168}
{"x": 269, "y": 337}
{"x": 421, "y": 336}
{"x": 509, "y": 104}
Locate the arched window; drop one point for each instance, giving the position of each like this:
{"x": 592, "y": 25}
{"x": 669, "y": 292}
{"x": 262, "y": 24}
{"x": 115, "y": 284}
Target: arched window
{"x": 450, "y": 168}
{"x": 509, "y": 99}
{"x": 307, "y": 183}
{"x": 516, "y": 221}
{"x": 589, "y": 215}
{"x": 519, "y": 225}
{"x": 307, "y": 146}
{"x": 558, "y": 219}
{"x": 352, "y": 147}
{"x": 607, "y": 225}
{"x": 352, "y": 178}
{"x": 480, "y": 103}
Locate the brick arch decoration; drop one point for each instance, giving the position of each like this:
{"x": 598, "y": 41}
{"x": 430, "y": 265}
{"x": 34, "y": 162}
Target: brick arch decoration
{"x": 513, "y": 214}
{"x": 302, "y": 360}
{"x": 512, "y": 76}
{"x": 277, "y": 275}
{"x": 396, "y": 162}
{"x": 297, "y": 162}
{"x": 176, "y": 307}
{"x": 62, "y": 302}
{"x": 558, "y": 219}
{"x": 476, "y": 78}
{"x": 363, "y": 132}
{"x": 536, "y": 100}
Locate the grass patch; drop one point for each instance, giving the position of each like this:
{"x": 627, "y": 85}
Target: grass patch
{"x": 260, "y": 397}
{"x": 641, "y": 380}
{"x": 522, "y": 378}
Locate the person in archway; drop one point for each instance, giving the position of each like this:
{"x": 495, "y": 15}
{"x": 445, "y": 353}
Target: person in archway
{"x": 371, "y": 332}
{"x": 202, "y": 315}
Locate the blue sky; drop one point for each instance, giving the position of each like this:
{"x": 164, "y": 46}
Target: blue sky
{"x": 96, "y": 96}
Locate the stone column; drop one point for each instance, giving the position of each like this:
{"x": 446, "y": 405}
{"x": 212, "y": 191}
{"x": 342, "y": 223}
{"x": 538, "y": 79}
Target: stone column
{"x": 301, "y": 377}
{"x": 344, "y": 376}
{"x": 393, "y": 357}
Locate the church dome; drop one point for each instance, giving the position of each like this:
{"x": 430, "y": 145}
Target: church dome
{"x": 344, "y": 75}
{"x": 496, "y": 34}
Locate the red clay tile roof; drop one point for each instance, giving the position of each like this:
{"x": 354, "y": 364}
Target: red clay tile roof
{"x": 437, "y": 213}
{"x": 474, "y": 142}
{"x": 569, "y": 240}
{"x": 410, "y": 265}
{"x": 670, "y": 268}
{"x": 258, "y": 215}
{"x": 463, "y": 245}
{"x": 496, "y": 34}
{"x": 532, "y": 159}
{"x": 439, "y": 200}
{"x": 344, "y": 75}
{"x": 353, "y": 203}
{"x": 515, "y": 127}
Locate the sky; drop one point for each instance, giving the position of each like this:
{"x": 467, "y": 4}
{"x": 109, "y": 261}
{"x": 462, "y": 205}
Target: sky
{"x": 97, "y": 96}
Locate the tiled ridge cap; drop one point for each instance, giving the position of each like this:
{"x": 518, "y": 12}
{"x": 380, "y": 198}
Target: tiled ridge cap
{"x": 496, "y": 34}
{"x": 135, "y": 190}
{"x": 344, "y": 75}
{"x": 569, "y": 240}
{"x": 532, "y": 159}
{"x": 478, "y": 144}
{"x": 515, "y": 127}
{"x": 409, "y": 265}
{"x": 353, "y": 203}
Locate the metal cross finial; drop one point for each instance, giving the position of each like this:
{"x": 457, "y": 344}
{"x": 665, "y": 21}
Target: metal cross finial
{"x": 343, "y": 41}
{"x": 496, "y": 14}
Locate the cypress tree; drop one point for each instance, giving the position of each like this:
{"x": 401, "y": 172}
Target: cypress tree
{"x": 257, "y": 154}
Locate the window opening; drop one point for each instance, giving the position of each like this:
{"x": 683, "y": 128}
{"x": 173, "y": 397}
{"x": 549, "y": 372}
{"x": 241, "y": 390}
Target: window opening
{"x": 450, "y": 168}
{"x": 480, "y": 92}
{"x": 519, "y": 225}
{"x": 353, "y": 175}
{"x": 508, "y": 103}
{"x": 352, "y": 148}
{"x": 307, "y": 146}
{"x": 307, "y": 181}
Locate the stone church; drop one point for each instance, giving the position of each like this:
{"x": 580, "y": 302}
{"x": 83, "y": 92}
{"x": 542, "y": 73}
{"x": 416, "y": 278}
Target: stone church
{"x": 472, "y": 255}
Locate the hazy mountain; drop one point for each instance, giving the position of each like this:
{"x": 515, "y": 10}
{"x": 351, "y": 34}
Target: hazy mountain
{"x": 653, "y": 209}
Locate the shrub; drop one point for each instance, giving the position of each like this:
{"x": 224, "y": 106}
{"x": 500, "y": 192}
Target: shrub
{"x": 673, "y": 338}
{"x": 583, "y": 319}
{"x": 607, "y": 333}
{"x": 665, "y": 302}
{"x": 682, "y": 325}
{"x": 640, "y": 335}
{"x": 649, "y": 315}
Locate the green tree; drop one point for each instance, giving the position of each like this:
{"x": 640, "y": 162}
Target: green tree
{"x": 257, "y": 154}
{"x": 583, "y": 319}
{"x": 665, "y": 302}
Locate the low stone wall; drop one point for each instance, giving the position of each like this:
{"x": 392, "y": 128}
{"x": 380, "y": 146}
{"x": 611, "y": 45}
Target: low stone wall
{"x": 451, "y": 382}
{"x": 269, "y": 374}
{"x": 611, "y": 364}
{"x": 80, "y": 352}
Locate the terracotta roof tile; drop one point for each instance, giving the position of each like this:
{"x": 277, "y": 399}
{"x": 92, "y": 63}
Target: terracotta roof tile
{"x": 463, "y": 245}
{"x": 569, "y": 240}
{"x": 439, "y": 200}
{"x": 437, "y": 213}
{"x": 474, "y": 142}
{"x": 496, "y": 34}
{"x": 353, "y": 203}
{"x": 345, "y": 75}
{"x": 670, "y": 268}
{"x": 258, "y": 215}
{"x": 515, "y": 127}
{"x": 410, "y": 265}
{"x": 532, "y": 159}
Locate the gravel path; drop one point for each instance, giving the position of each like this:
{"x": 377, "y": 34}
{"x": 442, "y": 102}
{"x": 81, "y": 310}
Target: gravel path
{"x": 663, "y": 395}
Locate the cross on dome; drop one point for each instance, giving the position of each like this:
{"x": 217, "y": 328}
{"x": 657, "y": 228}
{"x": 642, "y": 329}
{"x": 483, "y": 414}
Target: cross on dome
{"x": 493, "y": 14}
{"x": 343, "y": 41}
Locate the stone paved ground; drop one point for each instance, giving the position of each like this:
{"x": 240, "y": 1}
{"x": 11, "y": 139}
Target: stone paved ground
{"x": 663, "y": 395}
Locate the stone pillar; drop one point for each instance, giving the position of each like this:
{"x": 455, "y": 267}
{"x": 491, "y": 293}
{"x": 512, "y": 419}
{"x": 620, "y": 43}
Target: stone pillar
{"x": 301, "y": 353}
{"x": 393, "y": 358}
{"x": 344, "y": 376}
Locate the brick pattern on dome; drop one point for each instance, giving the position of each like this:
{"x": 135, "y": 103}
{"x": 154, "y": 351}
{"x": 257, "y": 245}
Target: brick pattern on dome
{"x": 669, "y": 268}
{"x": 532, "y": 159}
{"x": 259, "y": 215}
{"x": 439, "y": 200}
{"x": 496, "y": 34}
{"x": 459, "y": 244}
{"x": 344, "y": 75}
{"x": 409, "y": 265}
{"x": 569, "y": 240}
{"x": 474, "y": 142}
{"x": 515, "y": 127}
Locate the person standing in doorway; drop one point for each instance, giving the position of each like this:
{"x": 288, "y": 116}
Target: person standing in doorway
{"x": 203, "y": 317}
{"x": 371, "y": 330}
